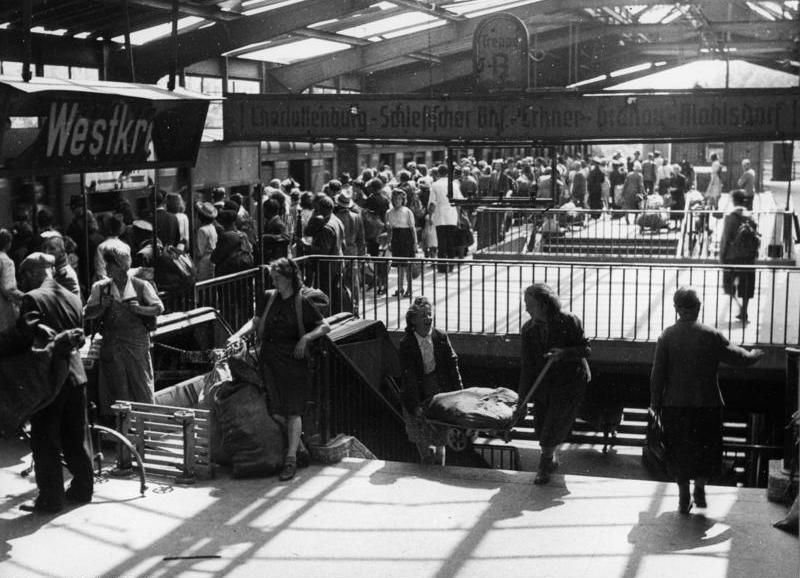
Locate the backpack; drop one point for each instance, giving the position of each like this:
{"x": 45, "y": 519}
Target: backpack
{"x": 746, "y": 242}
{"x": 373, "y": 225}
{"x": 241, "y": 258}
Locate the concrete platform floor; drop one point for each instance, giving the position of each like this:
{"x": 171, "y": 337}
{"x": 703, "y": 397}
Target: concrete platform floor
{"x": 386, "y": 519}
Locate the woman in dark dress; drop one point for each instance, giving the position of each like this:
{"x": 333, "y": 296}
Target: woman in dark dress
{"x": 558, "y": 335}
{"x": 403, "y": 239}
{"x": 685, "y": 393}
{"x": 284, "y": 350}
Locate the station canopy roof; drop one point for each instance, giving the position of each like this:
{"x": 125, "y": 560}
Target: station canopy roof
{"x": 400, "y": 45}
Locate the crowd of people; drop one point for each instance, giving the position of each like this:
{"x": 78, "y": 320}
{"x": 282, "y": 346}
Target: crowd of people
{"x": 404, "y": 215}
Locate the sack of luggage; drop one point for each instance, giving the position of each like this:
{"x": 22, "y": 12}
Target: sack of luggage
{"x": 251, "y": 441}
{"x": 483, "y": 408}
{"x": 746, "y": 243}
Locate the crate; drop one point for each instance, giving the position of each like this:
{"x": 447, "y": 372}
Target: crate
{"x": 172, "y": 441}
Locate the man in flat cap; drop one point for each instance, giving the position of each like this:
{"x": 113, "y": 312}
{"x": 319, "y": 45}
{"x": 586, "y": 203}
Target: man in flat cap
{"x": 60, "y": 427}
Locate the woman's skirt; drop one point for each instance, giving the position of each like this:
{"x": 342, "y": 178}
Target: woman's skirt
{"x": 739, "y": 283}
{"x": 402, "y": 242}
{"x": 693, "y": 441}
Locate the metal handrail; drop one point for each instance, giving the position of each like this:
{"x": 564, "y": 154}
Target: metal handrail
{"x": 616, "y": 301}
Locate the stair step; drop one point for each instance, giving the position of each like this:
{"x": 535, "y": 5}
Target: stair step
{"x": 621, "y": 242}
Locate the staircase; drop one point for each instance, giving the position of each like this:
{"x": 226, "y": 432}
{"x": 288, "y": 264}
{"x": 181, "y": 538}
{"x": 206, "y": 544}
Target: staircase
{"x": 638, "y": 246}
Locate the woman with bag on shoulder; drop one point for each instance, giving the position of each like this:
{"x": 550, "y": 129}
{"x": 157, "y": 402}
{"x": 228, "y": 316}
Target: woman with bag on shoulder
{"x": 126, "y": 308}
{"x": 286, "y": 323}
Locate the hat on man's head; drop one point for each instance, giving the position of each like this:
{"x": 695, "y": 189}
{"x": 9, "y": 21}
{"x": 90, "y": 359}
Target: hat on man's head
{"x": 334, "y": 186}
{"x": 344, "y": 199}
{"x": 207, "y": 210}
{"x": 49, "y": 234}
{"x": 142, "y": 225}
{"x": 37, "y": 260}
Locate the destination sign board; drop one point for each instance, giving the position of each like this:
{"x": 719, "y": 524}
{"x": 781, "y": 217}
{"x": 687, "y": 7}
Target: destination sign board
{"x": 740, "y": 115}
{"x": 500, "y": 53}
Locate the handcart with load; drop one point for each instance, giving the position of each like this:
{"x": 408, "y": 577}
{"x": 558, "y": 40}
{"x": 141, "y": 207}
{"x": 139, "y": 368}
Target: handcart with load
{"x": 462, "y": 416}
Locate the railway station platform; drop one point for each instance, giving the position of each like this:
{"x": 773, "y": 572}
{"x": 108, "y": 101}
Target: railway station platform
{"x": 378, "y": 518}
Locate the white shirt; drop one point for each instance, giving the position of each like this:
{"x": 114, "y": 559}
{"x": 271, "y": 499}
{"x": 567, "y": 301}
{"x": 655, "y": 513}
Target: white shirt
{"x": 444, "y": 213}
{"x": 426, "y": 347}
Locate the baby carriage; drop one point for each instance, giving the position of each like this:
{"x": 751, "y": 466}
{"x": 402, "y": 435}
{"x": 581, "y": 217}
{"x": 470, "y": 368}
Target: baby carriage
{"x": 464, "y": 415}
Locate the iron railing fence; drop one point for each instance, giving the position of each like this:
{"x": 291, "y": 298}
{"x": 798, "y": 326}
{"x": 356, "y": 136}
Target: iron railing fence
{"x": 234, "y": 296}
{"x": 616, "y": 301}
{"x": 620, "y": 234}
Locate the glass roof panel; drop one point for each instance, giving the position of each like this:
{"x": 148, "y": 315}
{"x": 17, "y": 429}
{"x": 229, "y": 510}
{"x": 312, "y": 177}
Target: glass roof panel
{"x": 390, "y": 24}
{"x": 147, "y": 34}
{"x": 427, "y": 26}
{"x": 259, "y": 9}
{"x": 655, "y": 15}
{"x": 474, "y": 8}
{"x": 294, "y": 51}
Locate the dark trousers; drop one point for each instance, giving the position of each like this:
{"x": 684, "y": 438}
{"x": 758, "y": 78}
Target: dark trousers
{"x": 60, "y": 428}
{"x": 446, "y": 235}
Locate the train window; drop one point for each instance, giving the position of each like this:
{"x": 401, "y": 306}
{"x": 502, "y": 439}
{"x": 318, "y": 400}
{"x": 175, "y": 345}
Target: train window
{"x": 438, "y": 157}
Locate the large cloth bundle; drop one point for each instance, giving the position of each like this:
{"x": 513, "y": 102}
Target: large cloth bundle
{"x": 31, "y": 380}
{"x": 482, "y": 408}
{"x": 243, "y": 435}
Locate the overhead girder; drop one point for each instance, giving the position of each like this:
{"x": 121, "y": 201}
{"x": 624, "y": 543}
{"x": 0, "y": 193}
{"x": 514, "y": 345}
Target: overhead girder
{"x": 55, "y": 50}
{"x": 209, "y": 42}
{"x": 210, "y": 12}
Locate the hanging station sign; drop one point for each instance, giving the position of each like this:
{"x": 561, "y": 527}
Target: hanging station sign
{"x": 68, "y": 128}
{"x": 551, "y": 117}
{"x": 500, "y": 54}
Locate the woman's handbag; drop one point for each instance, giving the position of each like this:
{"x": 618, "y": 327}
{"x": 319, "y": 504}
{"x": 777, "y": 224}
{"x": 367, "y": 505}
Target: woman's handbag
{"x": 415, "y": 269}
{"x": 654, "y": 454}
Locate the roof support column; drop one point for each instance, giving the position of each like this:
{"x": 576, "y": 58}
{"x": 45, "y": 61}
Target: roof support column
{"x": 27, "y": 40}
{"x": 173, "y": 64}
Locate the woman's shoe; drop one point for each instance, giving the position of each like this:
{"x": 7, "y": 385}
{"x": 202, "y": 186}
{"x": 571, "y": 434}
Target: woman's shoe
{"x": 543, "y": 472}
{"x": 699, "y": 496}
{"x": 398, "y": 293}
{"x": 289, "y": 469}
{"x": 684, "y": 501}
{"x": 303, "y": 458}
{"x": 542, "y": 477}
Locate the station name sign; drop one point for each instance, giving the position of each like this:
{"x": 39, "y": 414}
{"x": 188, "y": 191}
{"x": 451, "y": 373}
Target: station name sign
{"x": 740, "y": 115}
{"x": 73, "y": 132}
{"x": 80, "y": 132}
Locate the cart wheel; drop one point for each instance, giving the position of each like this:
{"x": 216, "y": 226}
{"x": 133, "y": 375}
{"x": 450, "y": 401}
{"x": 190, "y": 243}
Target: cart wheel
{"x": 457, "y": 439}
